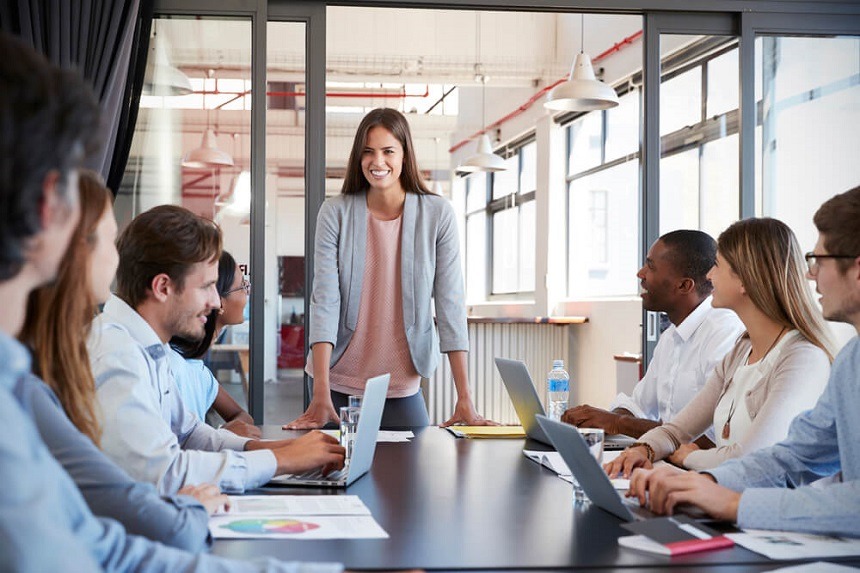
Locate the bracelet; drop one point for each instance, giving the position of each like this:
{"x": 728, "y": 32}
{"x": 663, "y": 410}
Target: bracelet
{"x": 649, "y": 451}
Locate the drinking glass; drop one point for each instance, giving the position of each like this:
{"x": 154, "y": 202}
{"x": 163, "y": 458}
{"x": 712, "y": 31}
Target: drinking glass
{"x": 594, "y": 440}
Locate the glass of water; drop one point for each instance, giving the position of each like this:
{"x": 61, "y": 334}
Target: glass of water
{"x": 348, "y": 428}
{"x": 355, "y": 402}
{"x": 594, "y": 440}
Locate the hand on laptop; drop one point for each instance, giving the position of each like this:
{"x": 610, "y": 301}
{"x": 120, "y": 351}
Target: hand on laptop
{"x": 624, "y": 464}
{"x": 311, "y": 451}
{"x": 465, "y": 413}
{"x": 207, "y": 494}
{"x": 319, "y": 413}
{"x": 666, "y": 488}
{"x": 586, "y": 416}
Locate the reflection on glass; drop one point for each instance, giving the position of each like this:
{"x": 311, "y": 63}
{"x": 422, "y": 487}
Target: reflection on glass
{"x": 810, "y": 113}
{"x": 285, "y": 222}
{"x": 681, "y": 101}
{"x": 608, "y": 224}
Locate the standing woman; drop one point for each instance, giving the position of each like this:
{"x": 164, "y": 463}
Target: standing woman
{"x": 777, "y": 369}
{"x": 385, "y": 250}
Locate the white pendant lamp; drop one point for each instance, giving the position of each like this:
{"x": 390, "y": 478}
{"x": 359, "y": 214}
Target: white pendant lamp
{"x": 161, "y": 78}
{"x": 582, "y": 91}
{"x": 485, "y": 160}
{"x": 207, "y": 156}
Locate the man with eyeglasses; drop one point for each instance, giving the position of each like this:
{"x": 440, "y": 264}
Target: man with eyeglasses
{"x": 768, "y": 489}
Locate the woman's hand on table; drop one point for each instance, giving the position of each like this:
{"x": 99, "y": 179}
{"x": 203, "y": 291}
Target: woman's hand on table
{"x": 465, "y": 413}
{"x": 318, "y": 414}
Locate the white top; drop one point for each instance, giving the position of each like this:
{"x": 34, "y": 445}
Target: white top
{"x": 684, "y": 358}
{"x": 147, "y": 430}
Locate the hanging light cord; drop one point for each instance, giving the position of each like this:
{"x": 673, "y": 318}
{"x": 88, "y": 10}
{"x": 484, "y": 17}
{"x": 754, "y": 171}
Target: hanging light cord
{"x": 582, "y": 33}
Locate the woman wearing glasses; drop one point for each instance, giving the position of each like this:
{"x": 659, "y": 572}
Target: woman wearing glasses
{"x": 199, "y": 389}
{"x": 777, "y": 369}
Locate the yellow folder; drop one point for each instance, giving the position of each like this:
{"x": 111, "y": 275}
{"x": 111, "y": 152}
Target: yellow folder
{"x": 487, "y": 431}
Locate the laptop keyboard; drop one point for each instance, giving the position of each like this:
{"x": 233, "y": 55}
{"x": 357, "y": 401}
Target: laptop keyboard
{"x": 318, "y": 475}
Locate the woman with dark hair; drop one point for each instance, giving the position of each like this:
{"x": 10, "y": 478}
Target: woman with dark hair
{"x": 777, "y": 369}
{"x": 62, "y": 404}
{"x": 385, "y": 250}
{"x": 197, "y": 386}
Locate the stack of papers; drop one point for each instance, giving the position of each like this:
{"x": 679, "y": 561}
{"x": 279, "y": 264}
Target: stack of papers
{"x": 790, "y": 545}
{"x": 295, "y": 517}
{"x": 553, "y": 461}
{"x": 487, "y": 431}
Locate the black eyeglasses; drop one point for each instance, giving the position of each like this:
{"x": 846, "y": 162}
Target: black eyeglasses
{"x": 813, "y": 260}
{"x": 246, "y": 286}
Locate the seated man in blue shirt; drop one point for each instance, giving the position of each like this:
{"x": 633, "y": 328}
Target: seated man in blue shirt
{"x": 769, "y": 489}
{"x": 48, "y": 120}
{"x": 168, "y": 268}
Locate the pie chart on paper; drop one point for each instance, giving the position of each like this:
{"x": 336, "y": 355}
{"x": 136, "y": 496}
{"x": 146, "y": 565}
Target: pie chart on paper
{"x": 270, "y": 526}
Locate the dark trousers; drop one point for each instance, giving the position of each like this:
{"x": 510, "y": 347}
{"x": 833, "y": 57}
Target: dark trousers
{"x": 410, "y": 411}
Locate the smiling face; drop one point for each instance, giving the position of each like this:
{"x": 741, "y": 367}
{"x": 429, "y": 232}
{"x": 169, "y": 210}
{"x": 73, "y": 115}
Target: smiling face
{"x": 382, "y": 160}
{"x": 190, "y": 306}
{"x": 104, "y": 257}
{"x": 657, "y": 279}
{"x": 728, "y": 288}
{"x": 840, "y": 291}
{"x": 234, "y": 302}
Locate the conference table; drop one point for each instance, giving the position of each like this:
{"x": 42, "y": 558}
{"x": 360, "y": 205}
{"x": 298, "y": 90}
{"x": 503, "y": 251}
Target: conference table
{"x": 452, "y": 504}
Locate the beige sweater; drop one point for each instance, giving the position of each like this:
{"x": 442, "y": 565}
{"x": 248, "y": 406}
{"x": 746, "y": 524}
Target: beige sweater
{"x": 791, "y": 382}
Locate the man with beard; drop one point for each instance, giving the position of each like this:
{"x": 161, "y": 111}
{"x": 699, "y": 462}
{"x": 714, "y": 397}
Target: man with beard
{"x": 166, "y": 287}
{"x": 673, "y": 280}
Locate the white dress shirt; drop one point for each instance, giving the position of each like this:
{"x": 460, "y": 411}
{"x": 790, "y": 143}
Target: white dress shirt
{"x": 147, "y": 430}
{"x": 684, "y": 358}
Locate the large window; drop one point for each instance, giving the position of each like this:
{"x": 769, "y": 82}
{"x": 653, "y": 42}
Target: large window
{"x": 501, "y": 207}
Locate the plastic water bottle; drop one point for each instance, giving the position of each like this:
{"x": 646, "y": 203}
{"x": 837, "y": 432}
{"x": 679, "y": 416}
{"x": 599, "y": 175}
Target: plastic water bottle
{"x": 558, "y": 390}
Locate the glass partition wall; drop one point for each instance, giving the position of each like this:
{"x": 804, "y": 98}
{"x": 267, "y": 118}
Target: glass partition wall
{"x": 730, "y": 114}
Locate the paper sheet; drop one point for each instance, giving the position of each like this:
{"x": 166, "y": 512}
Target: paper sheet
{"x": 295, "y": 505}
{"x": 384, "y": 436}
{"x": 553, "y": 461}
{"x": 295, "y": 527}
{"x": 790, "y": 545}
{"x": 487, "y": 431}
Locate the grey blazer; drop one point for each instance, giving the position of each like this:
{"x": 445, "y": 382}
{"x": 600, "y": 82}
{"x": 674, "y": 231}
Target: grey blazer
{"x": 430, "y": 268}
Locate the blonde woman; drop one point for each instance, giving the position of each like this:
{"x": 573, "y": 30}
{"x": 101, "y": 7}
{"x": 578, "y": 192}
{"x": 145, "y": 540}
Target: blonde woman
{"x": 777, "y": 369}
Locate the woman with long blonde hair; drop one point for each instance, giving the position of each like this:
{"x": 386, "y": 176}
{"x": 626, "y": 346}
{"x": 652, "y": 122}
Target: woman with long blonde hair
{"x": 62, "y": 403}
{"x": 777, "y": 369}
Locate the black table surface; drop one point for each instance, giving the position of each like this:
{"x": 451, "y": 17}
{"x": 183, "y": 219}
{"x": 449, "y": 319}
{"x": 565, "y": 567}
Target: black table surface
{"x": 453, "y": 504}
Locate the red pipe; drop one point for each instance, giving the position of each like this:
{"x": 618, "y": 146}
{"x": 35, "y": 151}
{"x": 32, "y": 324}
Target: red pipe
{"x": 617, "y": 47}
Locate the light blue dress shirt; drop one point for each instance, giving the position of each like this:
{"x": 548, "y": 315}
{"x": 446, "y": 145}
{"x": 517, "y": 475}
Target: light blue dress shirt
{"x": 178, "y": 521}
{"x": 147, "y": 430}
{"x": 45, "y": 525}
{"x": 821, "y": 442}
{"x": 195, "y": 382}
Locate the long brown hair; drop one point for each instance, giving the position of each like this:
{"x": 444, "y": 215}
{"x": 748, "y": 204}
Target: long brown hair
{"x": 765, "y": 255}
{"x": 393, "y": 121}
{"x": 59, "y": 316}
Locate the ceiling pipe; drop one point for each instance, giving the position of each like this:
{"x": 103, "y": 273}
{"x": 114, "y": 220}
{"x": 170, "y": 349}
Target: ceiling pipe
{"x": 617, "y": 47}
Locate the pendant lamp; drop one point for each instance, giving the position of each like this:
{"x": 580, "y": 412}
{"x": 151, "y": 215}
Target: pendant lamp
{"x": 207, "y": 156}
{"x": 485, "y": 159}
{"x": 161, "y": 78}
{"x": 582, "y": 91}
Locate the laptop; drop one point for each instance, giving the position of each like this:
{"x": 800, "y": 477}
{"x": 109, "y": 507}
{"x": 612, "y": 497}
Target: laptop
{"x": 593, "y": 479}
{"x": 363, "y": 449}
{"x": 522, "y": 391}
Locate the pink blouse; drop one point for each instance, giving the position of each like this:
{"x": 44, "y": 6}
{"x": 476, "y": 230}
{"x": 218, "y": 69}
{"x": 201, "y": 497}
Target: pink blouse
{"x": 379, "y": 342}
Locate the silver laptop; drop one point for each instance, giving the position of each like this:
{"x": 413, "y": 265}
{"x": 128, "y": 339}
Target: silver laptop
{"x": 363, "y": 450}
{"x": 590, "y": 475}
{"x": 522, "y": 391}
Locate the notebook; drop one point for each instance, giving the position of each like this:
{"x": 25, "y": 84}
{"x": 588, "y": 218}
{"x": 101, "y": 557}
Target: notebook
{"x": 522, "y": 391}
{"x": 590, "y": 475}
{"x": 363, "y": 450}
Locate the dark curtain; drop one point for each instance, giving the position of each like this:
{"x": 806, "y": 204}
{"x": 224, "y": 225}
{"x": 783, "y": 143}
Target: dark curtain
{"x": 107, "y": 41}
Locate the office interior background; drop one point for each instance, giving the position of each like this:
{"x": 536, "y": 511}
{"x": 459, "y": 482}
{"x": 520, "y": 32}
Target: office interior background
{"x": 727, "y": 110}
